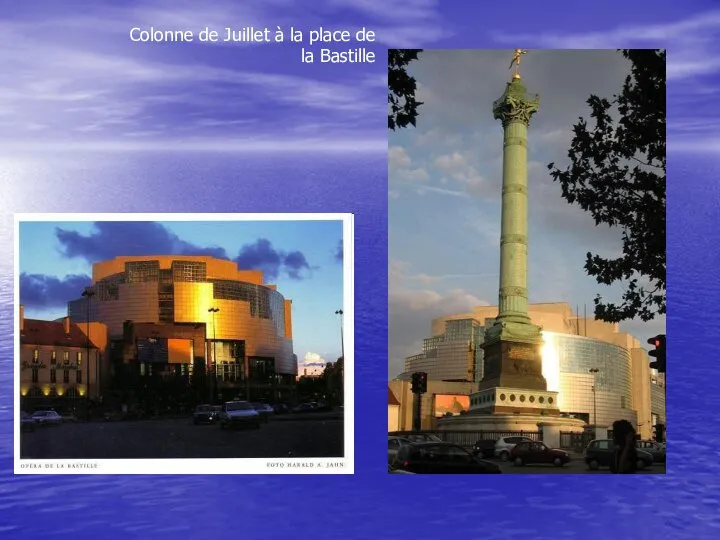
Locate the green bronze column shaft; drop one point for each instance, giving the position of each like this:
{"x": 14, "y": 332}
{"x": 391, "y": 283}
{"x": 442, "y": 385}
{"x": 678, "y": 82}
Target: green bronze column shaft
{"x": 514, "y": 109}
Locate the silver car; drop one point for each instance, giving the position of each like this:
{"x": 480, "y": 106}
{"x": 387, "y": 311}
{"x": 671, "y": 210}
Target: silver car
{"x": 505, "y": 444}
{"x": 239, "y": 413}
{"x": 47, "y": 417}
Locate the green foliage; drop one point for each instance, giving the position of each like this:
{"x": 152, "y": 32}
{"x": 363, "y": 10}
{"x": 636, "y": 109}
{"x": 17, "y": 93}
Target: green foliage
{"x": 617, "y": 173}
{"x": 402, "y": 106}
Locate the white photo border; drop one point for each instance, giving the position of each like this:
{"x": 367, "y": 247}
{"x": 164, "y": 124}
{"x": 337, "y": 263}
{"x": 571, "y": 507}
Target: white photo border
{"x": 338, "y": 465}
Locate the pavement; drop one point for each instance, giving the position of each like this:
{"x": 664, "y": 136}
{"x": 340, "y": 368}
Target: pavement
{"x": 576, "y": 466}
{"x": 173, "y": 438}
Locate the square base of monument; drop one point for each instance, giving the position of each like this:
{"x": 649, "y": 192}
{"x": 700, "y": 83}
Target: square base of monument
{"x": 513, "y": 364}
{"x": 509, "y": 400}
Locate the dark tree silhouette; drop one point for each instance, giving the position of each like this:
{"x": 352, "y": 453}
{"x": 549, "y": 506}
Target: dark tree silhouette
{"x": 402, "y": 106}
{"x": 617, "y": 173}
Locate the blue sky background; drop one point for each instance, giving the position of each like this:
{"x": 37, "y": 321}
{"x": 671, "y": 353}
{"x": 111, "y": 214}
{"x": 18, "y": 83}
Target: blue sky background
{"x": 303, "y": 258}
{"x": 445, "y": 181}
{"x": 90, "y": 122}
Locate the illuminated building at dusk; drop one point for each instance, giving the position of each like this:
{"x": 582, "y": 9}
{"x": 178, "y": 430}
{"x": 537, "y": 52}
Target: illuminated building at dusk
{"x": 623, "y": 386}
{"x": 183, "y": 315}
{"x": 54, "y": 367}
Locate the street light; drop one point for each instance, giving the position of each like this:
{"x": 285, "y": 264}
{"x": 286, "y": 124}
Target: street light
{"x": 342, "y": 341}
{"x": 88, "y": 293}
{"x": 594, "y": 371}
{"x": 214, "y": 310}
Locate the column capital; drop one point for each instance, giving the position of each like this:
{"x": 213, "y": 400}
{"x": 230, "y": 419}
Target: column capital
{"x": 515, "y": 105}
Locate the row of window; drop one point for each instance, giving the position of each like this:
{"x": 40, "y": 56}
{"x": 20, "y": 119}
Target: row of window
{"x": 36, "y": 392}
{"x": 53, "y": 375}
{"x": 487, "y": 398}
{"x": 53, "y": 357}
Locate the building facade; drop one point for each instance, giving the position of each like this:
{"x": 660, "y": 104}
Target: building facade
{"x": 195, "y": 318}
{"x": 624, "y": 386}
{"x": 55, "y": 367}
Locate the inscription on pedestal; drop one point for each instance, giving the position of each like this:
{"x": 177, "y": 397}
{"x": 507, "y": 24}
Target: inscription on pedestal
{"x": 520, "y": 352}
{"x": 513, "y": 364}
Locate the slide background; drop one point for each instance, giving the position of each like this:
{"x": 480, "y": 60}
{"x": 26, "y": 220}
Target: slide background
{"x": 340, "y": 166}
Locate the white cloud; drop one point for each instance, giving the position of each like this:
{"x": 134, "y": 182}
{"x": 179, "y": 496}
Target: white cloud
{"x": 411, "y": 310}
{"x": 397, "y": 158}
{"x": 413, "y": 175}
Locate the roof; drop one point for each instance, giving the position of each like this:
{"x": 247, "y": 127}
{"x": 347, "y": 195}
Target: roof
{"x": 36, "y": 332}
{"x": 392, "y": 400}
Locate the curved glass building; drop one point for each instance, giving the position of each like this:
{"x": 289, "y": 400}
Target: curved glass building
{"x": 173, "y": 313}
{"x": 621, "y": 384}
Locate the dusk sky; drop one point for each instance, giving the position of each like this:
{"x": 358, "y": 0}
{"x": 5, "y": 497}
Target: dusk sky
{"x": 303, "y": 258}
{"x": 445, "y": 181}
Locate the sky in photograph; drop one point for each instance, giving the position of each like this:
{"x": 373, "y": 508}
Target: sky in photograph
{"x": 444, "y": 192}
{"x": 303, "y": 258}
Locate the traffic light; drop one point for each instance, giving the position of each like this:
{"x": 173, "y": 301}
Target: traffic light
{"x": 419, "y": 382}
{"x": 659, "y": 353}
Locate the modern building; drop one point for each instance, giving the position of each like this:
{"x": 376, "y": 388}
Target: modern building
{"x": 623, "y": 386}
{"x": 195, "y": 318}
{"x": 54, "y": 364}
{"x": 393, "y": 412}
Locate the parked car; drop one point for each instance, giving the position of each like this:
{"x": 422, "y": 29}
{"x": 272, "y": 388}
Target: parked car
{"x": 441, "y": 458}
{"x": 535, "y": 453}
{"x": 264, "y": 410}
{"x": 206, "y": 414}
{"x": 656, "y": 450}
{"x": 484, "y": 448}
{"x": 280, "y": 408}
{"x": 601, "y": 453}
{"x": 27, "y": 422}
{"x": 239, "y": 413}
{"x": 394, "y": 444}
{"x": 47, "y": 417}
{"x": 303, "y": 407}
{"x": 505, "y": 444}
{"x": 422, "y": 437}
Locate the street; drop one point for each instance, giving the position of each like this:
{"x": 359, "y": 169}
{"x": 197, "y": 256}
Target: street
{"x": 179, "y": 438}
{"x": 576, "y": 466}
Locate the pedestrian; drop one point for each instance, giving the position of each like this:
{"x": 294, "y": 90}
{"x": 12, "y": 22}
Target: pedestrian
{"x": 625, "y": 452}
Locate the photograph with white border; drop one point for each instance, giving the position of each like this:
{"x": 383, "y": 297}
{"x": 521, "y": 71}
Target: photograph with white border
{"x": 184, "y": 343}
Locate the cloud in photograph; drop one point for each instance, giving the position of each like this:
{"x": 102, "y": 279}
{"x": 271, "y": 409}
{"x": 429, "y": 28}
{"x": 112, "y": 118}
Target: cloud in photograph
{"x": 111, "y": 239}
{"x": 41, "y": 291}
{"x": 338, "y": 255}
{"x": 261, "y": 255}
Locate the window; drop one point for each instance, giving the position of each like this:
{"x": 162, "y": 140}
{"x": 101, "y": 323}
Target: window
{"x": 66, "y": 357}
{"x": 451, "y": 453}
{"x": 66, "y": 376}
{"x": 78, "y": 376}
{"x": 53, "y": 357}
{"x": 35, "y": 375}
{"x": 79, "y": 358}
{"x": 602, "y": 445}
{"x": 36, "y": 356}
{"x": 53, "y": 376}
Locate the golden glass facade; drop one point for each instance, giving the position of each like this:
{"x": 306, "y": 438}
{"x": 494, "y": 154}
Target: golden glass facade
{"x": 182, "y": 289}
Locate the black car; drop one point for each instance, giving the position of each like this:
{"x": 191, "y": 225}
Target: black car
{"x": 206, "y": 414}
{"x": 601, "y": 453}
{"x": 484, "y": 448}
{"x": 441, "y": 458}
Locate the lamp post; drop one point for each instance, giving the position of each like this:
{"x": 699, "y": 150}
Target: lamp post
{"x": 214, "y": 310}
{"x": 594, "y": 372}
{"x": 88, "y": 293}
{"x": 342, "y": 341}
